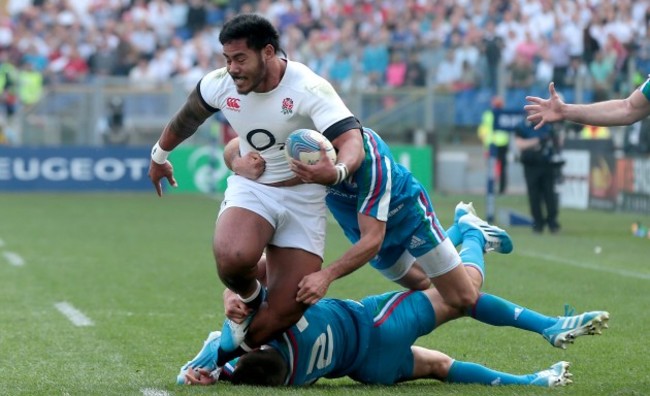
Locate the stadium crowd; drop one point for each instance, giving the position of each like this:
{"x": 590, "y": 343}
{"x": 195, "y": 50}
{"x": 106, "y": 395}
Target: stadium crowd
{"x": 452, "y": 45}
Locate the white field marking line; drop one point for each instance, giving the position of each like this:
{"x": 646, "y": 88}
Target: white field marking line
{"x": 154, "y": 392}
{"x": 562, "y": 260}
{"x": 14, "y": 259}
{"x": 73, "y": 314}
{"x": 2, "y": 243}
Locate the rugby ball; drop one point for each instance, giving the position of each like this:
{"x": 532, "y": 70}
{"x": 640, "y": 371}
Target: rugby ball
{"x": 304, "y": 145}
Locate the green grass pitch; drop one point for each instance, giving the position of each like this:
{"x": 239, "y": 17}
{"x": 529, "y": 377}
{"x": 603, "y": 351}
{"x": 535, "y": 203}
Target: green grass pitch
{"x": 141, "y": 269}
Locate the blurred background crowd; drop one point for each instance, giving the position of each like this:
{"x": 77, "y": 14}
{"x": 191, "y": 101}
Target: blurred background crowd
{"x": 444, "y": 45}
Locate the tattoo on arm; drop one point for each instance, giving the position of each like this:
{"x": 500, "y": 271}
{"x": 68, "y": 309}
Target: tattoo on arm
{"x": 188, "y": 119}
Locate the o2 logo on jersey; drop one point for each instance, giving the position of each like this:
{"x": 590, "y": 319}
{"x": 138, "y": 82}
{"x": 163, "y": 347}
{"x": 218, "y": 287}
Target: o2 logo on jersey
{"x": 260, "y": 139}
{"x": 321, "y": 352}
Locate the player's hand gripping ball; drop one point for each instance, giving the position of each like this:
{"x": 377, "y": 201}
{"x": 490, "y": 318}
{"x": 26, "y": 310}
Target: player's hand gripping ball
{"x": 304, "y": 145}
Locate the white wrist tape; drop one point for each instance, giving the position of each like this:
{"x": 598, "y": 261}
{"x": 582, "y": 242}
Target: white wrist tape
{"x": 158, "y": 155}
{"x": 341, "y": 172}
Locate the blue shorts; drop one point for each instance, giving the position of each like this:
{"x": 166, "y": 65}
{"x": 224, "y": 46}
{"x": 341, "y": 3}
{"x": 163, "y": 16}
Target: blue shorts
{"x": 399, "y": 319}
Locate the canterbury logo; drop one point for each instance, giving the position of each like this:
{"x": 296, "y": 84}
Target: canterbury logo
{"x": 232, "y": 103}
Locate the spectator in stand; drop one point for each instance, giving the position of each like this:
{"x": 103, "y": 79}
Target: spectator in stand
{"x": 178, "y": 11}
{"x": 469, "y": 77}
{"x": 617, "y": 50}
{"x": 104, "y": 60}
{"x": 467, "y": 51}
{"x": 602, "y": 70}
{"x": 127, "y": 55}
{"x": 396, "y": 70}
{"x": 375, "y": 56}
{"x": 38, "y": 60}
{"x": 196, "y": 16}
{"x": 8, "y": 83}
{"x": 543, "y": 69}
{"x": 558, "y": 50}
{"x": 576, "y": 72}
{"x": 142, "y": 75}
{"x": 448, "y": 72}
{"x": 510, "y": 48}
{"x": 6, "y": 31}
{"x": 161, "y": 19}
{"x": 544, "y": 20}
{"x": 143, "y": 38}
{"x": 416, "y": 76}
{"x": 528, "y": 48}
{"x": 590, "y": 45}
{"x": 492, "y": 46}
{"x": 75, "y": 69}
{"x": 572, "y": 33}
{"x": 642, "y": 58}
{"x": 522, "y": 73}
{"x": 341, "y": 71}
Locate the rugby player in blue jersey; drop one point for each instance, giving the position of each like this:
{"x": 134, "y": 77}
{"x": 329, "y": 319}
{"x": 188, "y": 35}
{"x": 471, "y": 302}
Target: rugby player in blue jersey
{"x": 370, "y": 341}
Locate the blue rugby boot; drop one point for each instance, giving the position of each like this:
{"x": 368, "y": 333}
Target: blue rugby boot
{"x": 557, "y": 375}
{"x": 205, "y": 359}
{"x": 462, "y": 209}
{"x": 496, "y": 239}
{"x": 233, "y": 334}
{"x": 568, "y": 327}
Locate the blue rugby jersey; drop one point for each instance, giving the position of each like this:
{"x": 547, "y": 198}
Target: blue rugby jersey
{"x": 330, "y": 340}
{"x": 369, "y": 341}
{"x": 383, "y": 189}
{"x": 380, "y": 188}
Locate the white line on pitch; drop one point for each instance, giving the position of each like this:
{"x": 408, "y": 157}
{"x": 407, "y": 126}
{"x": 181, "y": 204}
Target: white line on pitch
{"x": 154, "y": 392}
{"x": 2, "y": 243}
{"x": 562, "y": 260}
{"x": 14, "y": 259}
{"x": 73, "y": 314}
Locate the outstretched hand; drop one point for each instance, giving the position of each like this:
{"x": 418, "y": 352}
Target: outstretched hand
{"x": 157, "y": 172}
{"x": 543, "y": 111}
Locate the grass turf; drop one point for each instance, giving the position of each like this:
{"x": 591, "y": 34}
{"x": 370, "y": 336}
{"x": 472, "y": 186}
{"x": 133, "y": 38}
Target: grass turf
{"x": 141, "y": 269}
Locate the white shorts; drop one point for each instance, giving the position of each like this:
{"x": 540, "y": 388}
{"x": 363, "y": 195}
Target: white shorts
{"x": 297, "y": 213}
{"x": 436, "y": 262}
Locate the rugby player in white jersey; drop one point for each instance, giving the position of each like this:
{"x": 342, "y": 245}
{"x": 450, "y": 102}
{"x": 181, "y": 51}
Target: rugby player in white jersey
{"x": 265, "y": 97}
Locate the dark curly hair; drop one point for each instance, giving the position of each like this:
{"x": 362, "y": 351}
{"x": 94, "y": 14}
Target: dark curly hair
{"x": 257, "y": 31}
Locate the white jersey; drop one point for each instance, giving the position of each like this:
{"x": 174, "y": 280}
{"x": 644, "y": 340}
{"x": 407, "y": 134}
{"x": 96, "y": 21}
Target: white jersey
{"x": 264, "y": 120}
